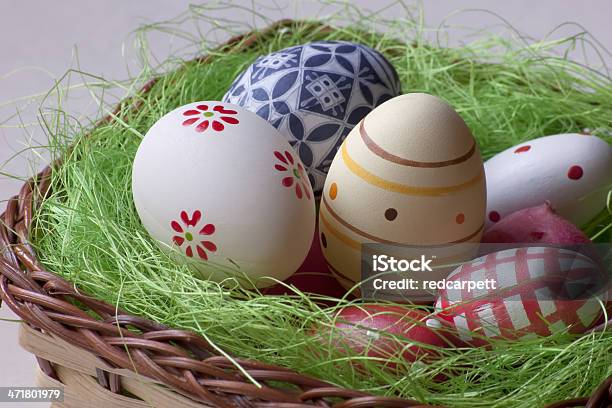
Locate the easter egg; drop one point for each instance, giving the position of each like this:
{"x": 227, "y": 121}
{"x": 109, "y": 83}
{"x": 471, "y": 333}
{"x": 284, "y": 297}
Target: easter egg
{"x": 314, "y": 94}
{"x": 534, "y": 291}
{"x": 410, "y": 173}
{"x": 534, "y": 225}
{"x": 383, "y": 331}
{"x": 571, "y": 171}
{"x": 222, "y": 190}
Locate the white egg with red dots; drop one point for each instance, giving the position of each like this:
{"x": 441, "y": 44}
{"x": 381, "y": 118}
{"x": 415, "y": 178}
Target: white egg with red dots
{"x": 571, "y": 171}
{"x": 222, "y": 190}
{"x": 410, "y": 173}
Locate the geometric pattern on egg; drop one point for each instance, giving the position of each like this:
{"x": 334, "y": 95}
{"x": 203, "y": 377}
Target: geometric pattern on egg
{"x": 571, "y": 171}
{"x": 409, "y": 173}
{"x": 314, "y": 94}
{"x": 221, "y": 190}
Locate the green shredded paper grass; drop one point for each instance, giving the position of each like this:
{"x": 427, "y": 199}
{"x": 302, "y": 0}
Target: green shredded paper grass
{"x": 507, "y": 90}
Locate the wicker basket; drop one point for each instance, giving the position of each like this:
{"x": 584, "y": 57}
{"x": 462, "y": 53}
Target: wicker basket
{"x": 105, "y": 363}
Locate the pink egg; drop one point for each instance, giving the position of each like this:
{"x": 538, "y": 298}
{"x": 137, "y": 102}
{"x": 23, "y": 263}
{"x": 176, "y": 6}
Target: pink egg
{"x": 533, "y": 225}
{"x": 536, "y": 292}
{"x": 363, "y": 328}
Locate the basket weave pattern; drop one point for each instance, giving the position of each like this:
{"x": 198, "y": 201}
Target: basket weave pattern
{"x": 121, "y": 360}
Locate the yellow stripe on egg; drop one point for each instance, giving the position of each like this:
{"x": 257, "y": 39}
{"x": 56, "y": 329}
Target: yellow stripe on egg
{"x": 377, "y": 181}
{"x": 388, "y": 156}
{"x": 342, "y": 237}
{"x": 373, "y": 238}
{"x": 331, "y": 225}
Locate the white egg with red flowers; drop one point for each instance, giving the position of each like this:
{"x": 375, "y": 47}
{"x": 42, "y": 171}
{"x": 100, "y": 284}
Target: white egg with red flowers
{"x": 223, "y": 191}
{"x": 521, "y": 293}
{"x": 571, "y": 171}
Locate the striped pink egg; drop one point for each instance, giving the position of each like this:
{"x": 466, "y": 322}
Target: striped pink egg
{"x": 532, "y": 295}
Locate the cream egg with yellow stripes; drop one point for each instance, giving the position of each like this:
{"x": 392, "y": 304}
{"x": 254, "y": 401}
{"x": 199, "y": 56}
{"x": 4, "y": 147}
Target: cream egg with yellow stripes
{"x": 409, "y": 173}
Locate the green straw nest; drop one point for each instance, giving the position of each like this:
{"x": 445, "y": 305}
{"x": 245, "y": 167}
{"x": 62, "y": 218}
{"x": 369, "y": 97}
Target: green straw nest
{"x": 87, "y": 229}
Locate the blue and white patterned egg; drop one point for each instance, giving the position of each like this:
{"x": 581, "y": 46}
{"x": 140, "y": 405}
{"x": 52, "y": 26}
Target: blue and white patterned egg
{"x": 314, "y": 94}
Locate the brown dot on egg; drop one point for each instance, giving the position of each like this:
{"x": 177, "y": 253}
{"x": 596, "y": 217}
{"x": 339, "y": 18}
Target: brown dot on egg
{"x": 333, "y": 191}
{"x": 391, "y": 214}
{"x": 323, "y": 240}
{"x": 460, "y": 218}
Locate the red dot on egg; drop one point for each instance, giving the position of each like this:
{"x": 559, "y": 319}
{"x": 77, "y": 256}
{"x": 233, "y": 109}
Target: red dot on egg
{"x": 494, "y": 216}
{"x": 460, "y": 218}
{"x": 575, "y": 173}
{"x": 523, "y": 149}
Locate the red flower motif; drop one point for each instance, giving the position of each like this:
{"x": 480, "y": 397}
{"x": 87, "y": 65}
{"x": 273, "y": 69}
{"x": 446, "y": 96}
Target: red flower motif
{"x": 297, "y": 175}
{"x": 205, "y": 118}
{"x": 189, "y": 233}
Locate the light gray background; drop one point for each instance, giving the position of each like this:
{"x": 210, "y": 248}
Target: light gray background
{"x": 40, "y": 40}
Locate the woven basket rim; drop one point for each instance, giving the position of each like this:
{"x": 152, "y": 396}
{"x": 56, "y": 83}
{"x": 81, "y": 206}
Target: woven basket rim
{"x": 178, "y": 359}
